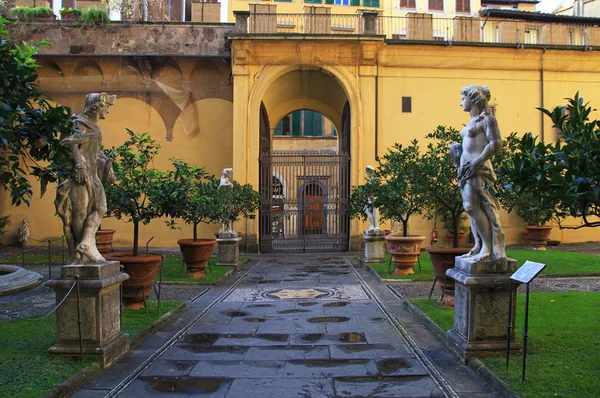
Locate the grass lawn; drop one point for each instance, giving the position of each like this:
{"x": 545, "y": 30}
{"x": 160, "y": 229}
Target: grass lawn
{"x": 172, "y": 267}
{"x": 557, "y": 263}
{"x": 27, "y": 368}
{"x": 563, "y": 350}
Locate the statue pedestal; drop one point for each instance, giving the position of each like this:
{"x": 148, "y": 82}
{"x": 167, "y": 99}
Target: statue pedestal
{"x": 229, "y": 251}
{"x": 481, "y": 307}
{"x": 100, "y": 306}
{"x": 374, "y": 248}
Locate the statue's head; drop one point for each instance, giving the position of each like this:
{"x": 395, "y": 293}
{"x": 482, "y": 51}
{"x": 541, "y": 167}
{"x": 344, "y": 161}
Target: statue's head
{"x": 25, "y": 221}
{"x": 478, "y": 95}
{"x": 98, "y": 102}
{"x": 227, "y": 172}
{"x": 369, "y": 172}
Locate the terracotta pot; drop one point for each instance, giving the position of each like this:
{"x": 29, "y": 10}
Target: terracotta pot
{"x": 104, "y": 239}
{"x": 462, "y": 239}
{"x": 196, "y": 255}
{"x": 142, "y": 272}
{"x": 405, "y": 252}
{"x": 443, "y": 260}
{"x": 69, "y": 17}
{"x": 46, "y": 18}
{"x": 524, "y": 234}
{"x": 538, "y": 236}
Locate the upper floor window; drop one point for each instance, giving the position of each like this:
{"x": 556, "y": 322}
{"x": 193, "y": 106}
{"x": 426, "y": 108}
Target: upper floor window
{"x": 342, "y": 2}
{"x": 408, "y": 4}
{"x": 463, "y": 5}
{"x": 437, "y": 5}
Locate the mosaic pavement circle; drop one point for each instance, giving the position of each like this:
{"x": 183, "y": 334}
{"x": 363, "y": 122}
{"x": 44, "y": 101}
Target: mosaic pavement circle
{"x": 325, "y": 293}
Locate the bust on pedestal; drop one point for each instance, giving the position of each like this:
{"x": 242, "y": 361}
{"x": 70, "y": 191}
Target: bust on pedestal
{"x": 482, "y": 275}
{"x": 81, "y": 204}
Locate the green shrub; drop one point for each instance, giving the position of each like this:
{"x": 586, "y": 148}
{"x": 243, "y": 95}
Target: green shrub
{"x": 94, "y": 16}
{"x": 70, "y": 11}
{"x": 28, "y": 14}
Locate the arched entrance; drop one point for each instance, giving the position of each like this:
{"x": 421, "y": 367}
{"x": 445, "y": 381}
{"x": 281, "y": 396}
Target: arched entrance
{"x": 304, "y": 164}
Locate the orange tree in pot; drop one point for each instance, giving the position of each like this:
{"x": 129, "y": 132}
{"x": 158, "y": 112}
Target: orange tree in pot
{"x": 133, "y": 198}
{"x": 393, "y": 191}
{"x": 192, "y": 197}
{"x": 439, "y": 186}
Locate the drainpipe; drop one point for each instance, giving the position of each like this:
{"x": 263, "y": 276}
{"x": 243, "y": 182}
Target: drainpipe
{"x": 377, "y": 116}
{"x": 542, "y": 93}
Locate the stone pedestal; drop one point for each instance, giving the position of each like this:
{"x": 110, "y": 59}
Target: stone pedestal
{"x": 374, "y": 248}
{"x": 100, "y": 305}
{"x": 229, "y": 251}
{"x": 481, "y": 307}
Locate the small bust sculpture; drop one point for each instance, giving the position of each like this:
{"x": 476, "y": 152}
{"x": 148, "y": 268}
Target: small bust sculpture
{"x": 369, "y": 208}
{"x": 480, "y": 141}
{"x": 23, "y": 233}
{"x": 80, "y": 201}
{"x": 226, "y": 225}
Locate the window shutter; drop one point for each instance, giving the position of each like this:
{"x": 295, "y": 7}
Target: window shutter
{"x": 437, "y": 4}
{"x": 313, "y": 1}
{"x": 296, "y": 123}
{"x": 318, "y": 118}
{"x": 408, "y": 3}
{"x": 329, "y": 1}
{"x": 308, "y": 124}
{"x": 371, "y": 3}
{"x": 279, "y": 129}
{"x": 355, "y": 3}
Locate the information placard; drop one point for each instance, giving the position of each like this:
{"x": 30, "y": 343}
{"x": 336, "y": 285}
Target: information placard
{"x": 528, "y": 271}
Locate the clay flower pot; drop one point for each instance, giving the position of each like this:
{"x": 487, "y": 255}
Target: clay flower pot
{"x": 142, "y": 272}
{"x": 104, "y": 239}
{"x": 196, "y": 255}
{"x": 443, "y": 259}
{"x": 538, "y": 236}
{"x": 405, "y": 252}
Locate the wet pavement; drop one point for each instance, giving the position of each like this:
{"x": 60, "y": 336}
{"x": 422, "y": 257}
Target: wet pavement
{"x": 292, "y": 326}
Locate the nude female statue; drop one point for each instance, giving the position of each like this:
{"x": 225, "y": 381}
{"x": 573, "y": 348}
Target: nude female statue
{"x": 226, "y": 226}
{"x": 369, "y": 208}
{"x": 480, "y": 141}
{"x": 81, "y": 201}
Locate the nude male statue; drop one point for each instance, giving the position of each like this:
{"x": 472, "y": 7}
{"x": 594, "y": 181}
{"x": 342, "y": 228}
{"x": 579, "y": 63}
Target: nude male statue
{"x": 80, "y": 201}
{"x": 480, "y": 141}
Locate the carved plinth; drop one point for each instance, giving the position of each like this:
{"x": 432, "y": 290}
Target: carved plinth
{"x": 100, "y": 312}
{"x": 481, "y": 307}
{"x": 229, "y": 252}
{"x": 374, "y": 248}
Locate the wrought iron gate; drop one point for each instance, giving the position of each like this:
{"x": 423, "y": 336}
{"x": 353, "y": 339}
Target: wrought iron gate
{"x": 305, "y": 202}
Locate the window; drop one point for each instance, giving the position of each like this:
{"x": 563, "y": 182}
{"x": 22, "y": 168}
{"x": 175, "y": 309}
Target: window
{"x": 371, "y": 3}
{"x": 408, "y": 4}
{"x": 303, "y": 123}
{"x": 463, "y": 5}
{"x": 342, "y": 2}
{"x": 437, "y": 5}
{"x": 406, "y": 104}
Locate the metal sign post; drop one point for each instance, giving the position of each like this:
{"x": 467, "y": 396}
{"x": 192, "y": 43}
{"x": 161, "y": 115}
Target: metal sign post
{"x": 525, "y": 274}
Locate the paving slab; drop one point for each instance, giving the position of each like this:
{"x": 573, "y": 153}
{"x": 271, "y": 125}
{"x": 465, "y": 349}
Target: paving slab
{"x": 256, "y": 388}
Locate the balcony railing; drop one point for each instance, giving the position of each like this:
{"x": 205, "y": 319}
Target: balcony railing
{"x": 423, "y": 27}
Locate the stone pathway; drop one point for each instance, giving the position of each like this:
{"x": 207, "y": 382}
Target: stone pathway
{"x": 293, "y": 326}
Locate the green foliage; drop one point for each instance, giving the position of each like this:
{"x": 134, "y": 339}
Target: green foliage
{"x": 191, "y": 195}
{"x": 241, "y": 201}
{"x": 28, "y": 14}
{"x": 393, "y": 188}
{"x": 135, "y": 321}
{"x": 442, "y": 315}
{"x": 438, "y": 180}
{"x": 138, "y": 188}
{"x": 94, "y": 16}
{"x": 4, "y": 222}
{"x": 29, "y": 125}
{"x": 527, "y": 179}
{"x": 70, "y": 11}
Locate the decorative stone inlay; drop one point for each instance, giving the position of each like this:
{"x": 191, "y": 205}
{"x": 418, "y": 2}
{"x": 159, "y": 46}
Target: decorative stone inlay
{"x": 349, "y": 292}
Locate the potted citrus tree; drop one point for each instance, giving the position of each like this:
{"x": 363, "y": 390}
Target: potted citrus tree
{"x": 191, "y": 195}
{"x": 525, "y": 184}
{"x": 439, "y": 185}
{"x": 395, "y": 194}
{"x": 133, "y": 198}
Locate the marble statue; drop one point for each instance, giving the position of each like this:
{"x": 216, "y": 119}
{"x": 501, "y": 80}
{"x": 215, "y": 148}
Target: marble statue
{"x": 80, "y": 200}
{"x": 369, "y": 208}
{"x": 226, "y": 227}
{"x": 480, "y": 141}
{"x": 23, "y": 233}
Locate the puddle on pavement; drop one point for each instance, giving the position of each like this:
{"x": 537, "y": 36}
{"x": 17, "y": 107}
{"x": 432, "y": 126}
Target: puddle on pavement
{"x": 312, "y": 337}
{"x": 268, "y": 281}
{"x": 357, "y": 347}
{"x": 378, "y": 319}
{"x": 215, "y": 349}
{"x": 184, "y": 365}
{"x": 327, "y": 363}
{"x": 336, "y": 304}
{"x": 255, "y": 320}
{"x": 201, "y": 338}
{"x": 307, "y": 303}
{"x": 259, "y": 305}
{"x": 352, "y": 337}
{"x": 280, "y": 338}
{"x": 391, "y": 365}
{"x": 336, "y": 273}
{"x": 186, "y": 384}
{"x": 324, "y": 319}
{"x": 292, "y": 311}
{"x": 298, "y": 275}
{"x": 378, "y": 379}
{"x": 235, "y": 314}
